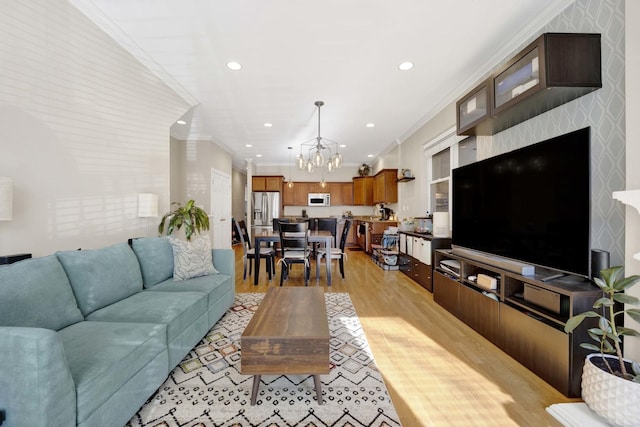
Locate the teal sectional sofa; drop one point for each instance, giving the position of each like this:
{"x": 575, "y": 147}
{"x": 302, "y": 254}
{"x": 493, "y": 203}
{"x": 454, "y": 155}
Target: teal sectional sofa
{"x": 87, "y": 336}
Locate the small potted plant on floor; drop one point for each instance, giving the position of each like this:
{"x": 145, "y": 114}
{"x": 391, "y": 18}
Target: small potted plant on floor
{"x": 193, "y": 218}
{"x": 610, "y": 383}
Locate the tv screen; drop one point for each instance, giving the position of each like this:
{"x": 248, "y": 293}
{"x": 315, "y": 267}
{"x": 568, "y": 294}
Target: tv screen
{"x": 531, "y": 205}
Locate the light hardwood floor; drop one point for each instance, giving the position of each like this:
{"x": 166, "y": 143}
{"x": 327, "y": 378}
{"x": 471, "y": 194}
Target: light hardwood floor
{"x": 439, "y": 372}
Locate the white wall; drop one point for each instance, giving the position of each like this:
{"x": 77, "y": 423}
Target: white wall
{"x": 413, "y": 195}
{"x": 85, "y": 128}
{"x": 238, "y": 203}
{"x": 192, "y": 162}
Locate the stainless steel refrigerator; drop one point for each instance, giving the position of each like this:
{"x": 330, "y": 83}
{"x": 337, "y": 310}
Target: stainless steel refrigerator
{"x": 266, "y": 207}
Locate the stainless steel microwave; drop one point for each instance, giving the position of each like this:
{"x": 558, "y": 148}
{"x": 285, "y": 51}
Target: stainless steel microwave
{"x": 319, "y": 199}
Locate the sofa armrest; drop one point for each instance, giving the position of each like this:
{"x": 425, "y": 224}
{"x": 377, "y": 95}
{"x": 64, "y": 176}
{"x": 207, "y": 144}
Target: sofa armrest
{"x": 225, "y": 262}
{"x": 36, "y": 387}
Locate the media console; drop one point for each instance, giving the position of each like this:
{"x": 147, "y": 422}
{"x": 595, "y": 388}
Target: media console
{"x": 524, "y": 315}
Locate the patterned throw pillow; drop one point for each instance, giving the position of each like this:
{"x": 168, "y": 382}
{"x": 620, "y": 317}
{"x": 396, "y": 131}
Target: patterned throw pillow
{"x": 192, "y": 259}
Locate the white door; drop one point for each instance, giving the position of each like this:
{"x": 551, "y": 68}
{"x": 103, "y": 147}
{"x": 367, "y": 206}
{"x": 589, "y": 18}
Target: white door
{"x": 220, "y": 220}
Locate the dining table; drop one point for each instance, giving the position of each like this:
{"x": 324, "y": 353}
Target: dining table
{"x": 315, "y": 236}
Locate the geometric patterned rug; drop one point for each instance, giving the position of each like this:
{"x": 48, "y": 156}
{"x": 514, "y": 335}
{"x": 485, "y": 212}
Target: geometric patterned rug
{"x": 207, "y": 389}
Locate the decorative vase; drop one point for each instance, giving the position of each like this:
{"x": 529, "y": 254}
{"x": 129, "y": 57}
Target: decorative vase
{"x": 613, "y": 398}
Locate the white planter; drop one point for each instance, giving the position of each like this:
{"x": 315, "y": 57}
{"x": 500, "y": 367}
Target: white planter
{"x": 613, "y": 398}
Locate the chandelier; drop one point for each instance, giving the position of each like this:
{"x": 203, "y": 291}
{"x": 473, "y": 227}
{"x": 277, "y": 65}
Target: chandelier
{"x": 321, "y": 152}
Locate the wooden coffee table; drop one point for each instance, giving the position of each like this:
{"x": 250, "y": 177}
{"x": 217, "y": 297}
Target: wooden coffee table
{"x": 288, "y": 334}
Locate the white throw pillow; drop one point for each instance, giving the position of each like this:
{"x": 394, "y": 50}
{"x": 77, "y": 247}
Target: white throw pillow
{"x": 192, "y": 259}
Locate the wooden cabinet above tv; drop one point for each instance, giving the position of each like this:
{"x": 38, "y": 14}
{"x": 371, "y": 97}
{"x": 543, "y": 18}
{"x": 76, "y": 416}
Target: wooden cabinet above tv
{"x": 556, "y": 68}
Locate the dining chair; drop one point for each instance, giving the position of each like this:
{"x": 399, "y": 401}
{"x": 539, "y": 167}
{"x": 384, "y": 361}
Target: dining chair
{"x": 326, "y": 224}
{"x": 335, "y": 253}
{"x": 276, "y": 229}
{"x": 250, "y": 253}
{"x": 294, "y": 242}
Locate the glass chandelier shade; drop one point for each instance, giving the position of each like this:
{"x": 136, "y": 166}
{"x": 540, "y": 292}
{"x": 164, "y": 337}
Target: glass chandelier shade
{"x": 322, "y": 152}
{"x": 318, "y": 158}
{"x": 310, "y": 166}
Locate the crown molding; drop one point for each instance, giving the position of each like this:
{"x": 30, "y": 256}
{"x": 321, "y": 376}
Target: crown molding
{"x": 119, "y": 36}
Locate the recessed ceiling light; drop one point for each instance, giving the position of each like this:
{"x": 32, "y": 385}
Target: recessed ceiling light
{"x": 181, "y": 122}
{"x": 405, "y": 66}
{"x": 370, "y": 125}
{"x": 343, "y": 146}
{"x": 268, "y": 125}
{"x": 248, "y": 145}
{"x": 258, "y": 155}
{"x": 369, "y": 155}
{"x": 233, "y": 65}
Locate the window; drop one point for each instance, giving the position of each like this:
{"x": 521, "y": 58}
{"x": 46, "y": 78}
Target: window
{"x": 443, "y": 154}
{"x": 440, "y": 172}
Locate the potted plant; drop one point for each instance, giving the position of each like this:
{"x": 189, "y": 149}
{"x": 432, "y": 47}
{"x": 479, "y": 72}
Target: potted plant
{"x": 193, "y": 218}
{"x": 611, "y": 384}
{"x": 364, "y": 170}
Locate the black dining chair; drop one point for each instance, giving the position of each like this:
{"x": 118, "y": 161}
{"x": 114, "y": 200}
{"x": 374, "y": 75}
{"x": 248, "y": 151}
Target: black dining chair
{"x": 294, "y": 242}
{"x": 326, "y": 224}
{"x": 276, "y": 229}
{"x": 250, "y": 253}
{"x": 335, "y": 253}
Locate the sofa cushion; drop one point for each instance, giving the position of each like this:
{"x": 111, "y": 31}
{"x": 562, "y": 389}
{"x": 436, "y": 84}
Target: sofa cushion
{"x": 192, "y": 259}
{"x": 36, "y": 293}
{"x": 103, "y": 356}
{"x": 213, "y": 286}
{"x": 103, "y": 276}
{"x": 155, "y": 256}
{"x": 177, "y": 312}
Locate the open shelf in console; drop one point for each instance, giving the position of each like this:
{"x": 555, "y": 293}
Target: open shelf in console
{"x": 469, "y": 273}
{"x": 554, "y": 301}
{"x": 478, "y": 276}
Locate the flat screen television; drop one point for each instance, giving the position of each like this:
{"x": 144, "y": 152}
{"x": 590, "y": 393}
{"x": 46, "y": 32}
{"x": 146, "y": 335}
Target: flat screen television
{"x": 530, "y": 205}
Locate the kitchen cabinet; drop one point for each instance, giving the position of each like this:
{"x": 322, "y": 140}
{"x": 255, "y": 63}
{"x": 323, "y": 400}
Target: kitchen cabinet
{"x": 352, "y": 238}
{"x": 351, "y": 235}
{"x": 289, "y": 195}
{"x": 361, "y": 235}
{"x": 301, "y": 192}
{"x": 267, "y": 183}
{"x": 385, "y": 186}
{"x": 556, "y": 68}
{"x": 341, "y": 193}
{"x": 363, "y": 191}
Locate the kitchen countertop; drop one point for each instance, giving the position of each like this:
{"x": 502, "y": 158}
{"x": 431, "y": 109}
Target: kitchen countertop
{"x": 370, "y": 219}
{"x": 425, "y": 235}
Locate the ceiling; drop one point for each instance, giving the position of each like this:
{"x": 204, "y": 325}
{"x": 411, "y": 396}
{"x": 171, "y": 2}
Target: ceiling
{"x": 295, "y": 52}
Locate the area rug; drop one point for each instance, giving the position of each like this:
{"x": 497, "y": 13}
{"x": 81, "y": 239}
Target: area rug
{"x": 207, "y": 388}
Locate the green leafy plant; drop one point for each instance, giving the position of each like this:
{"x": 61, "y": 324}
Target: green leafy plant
{"x": 191, "y": 217}
{"x": 608, "y": 334}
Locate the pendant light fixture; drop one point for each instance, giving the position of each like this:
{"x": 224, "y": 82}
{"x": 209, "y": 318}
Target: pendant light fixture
{"x": 321, "y": 152}
{"x": 290, "y": 182}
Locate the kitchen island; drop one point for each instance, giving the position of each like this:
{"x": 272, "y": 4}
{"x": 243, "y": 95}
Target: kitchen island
{"x": 369, "y": 231}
